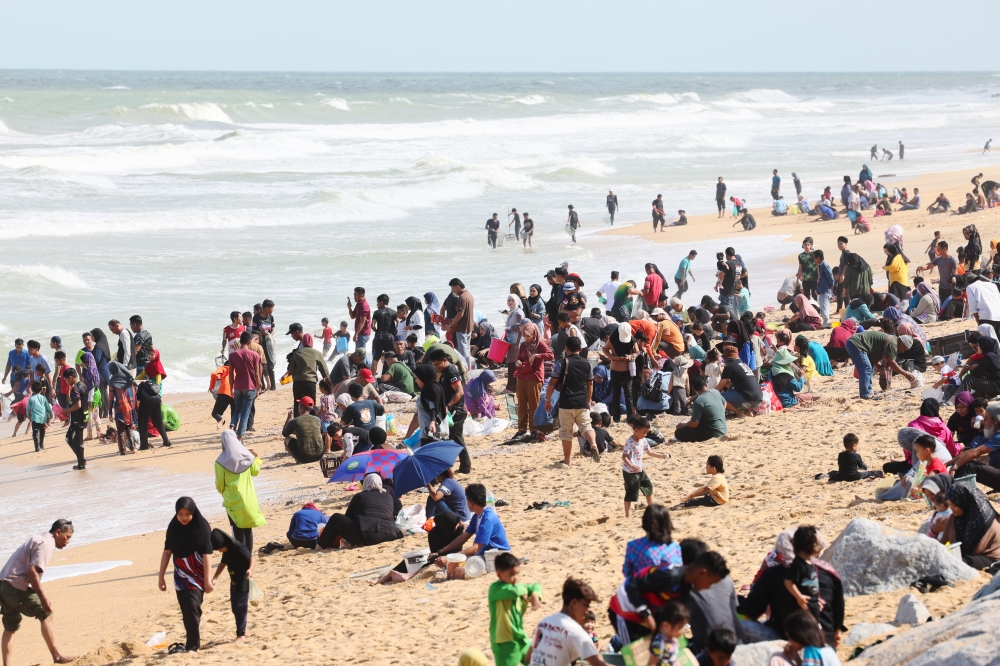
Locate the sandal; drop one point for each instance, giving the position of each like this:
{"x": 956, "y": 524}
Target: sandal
{"x": 177, "y": 648}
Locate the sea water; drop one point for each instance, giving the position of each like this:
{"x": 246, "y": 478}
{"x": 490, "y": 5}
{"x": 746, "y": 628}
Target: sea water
{"x": 183, "y": 196}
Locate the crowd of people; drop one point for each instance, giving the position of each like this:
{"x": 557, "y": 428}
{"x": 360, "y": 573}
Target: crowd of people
{"x": 573, "y": 366}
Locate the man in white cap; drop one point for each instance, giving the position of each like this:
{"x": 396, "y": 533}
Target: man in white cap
{"x": 620, "y": 348}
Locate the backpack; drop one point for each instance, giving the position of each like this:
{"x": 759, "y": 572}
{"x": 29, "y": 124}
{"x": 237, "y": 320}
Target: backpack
{"x": 653, "y": 389}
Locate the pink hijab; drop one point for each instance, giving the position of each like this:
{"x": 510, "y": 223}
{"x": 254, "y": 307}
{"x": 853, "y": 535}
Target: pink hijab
{"x": 307, "y": 340}
{"x": 805, "y": 308}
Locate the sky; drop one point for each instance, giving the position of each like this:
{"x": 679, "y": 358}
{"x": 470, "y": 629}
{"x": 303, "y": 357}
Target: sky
{"x": 506, "y": 36}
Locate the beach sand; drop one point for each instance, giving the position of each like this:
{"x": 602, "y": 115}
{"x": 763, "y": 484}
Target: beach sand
{"x": 314, "y": 612}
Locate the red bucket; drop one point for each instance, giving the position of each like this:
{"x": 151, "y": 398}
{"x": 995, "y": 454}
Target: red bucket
{"x": 498, "y": 350}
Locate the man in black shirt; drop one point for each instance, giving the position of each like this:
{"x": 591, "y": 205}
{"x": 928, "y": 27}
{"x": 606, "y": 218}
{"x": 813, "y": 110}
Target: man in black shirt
{"x": 612, "y": 205}
{"x": 576, "y": 390}
{"x": 529, "y": 230}
{"x": 384, "y": 326}
{"x": 658, "y": 217}
{"x": 454, "y": 395}
{"x": 738, "y": 385}
{"x": 731, "y": 273}
{"x": 403, "y": 354}
{"x": 516, "y": 222}
{"x": 492, "y": 227}
{"x": 573, "y": 221}
{"x": 720, "y": 196}
{"x": 591, "y": 328}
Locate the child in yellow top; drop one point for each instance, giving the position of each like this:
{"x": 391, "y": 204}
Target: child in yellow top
{"x": 713, "y": 493}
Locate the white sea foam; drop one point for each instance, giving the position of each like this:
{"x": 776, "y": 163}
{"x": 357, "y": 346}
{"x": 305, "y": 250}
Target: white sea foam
{"x": 117, "y": 88}
{"x": 85, "y": 569}
{"x": 53, "y": 274}
{"x": 530, "y": 100}
{"x": 336, "y": 103}
{"x": 204, "y": 111}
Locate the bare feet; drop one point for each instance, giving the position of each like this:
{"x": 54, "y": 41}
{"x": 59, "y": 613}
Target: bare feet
{"x": 63, "y": 659}
{"x": 240, "y": 639}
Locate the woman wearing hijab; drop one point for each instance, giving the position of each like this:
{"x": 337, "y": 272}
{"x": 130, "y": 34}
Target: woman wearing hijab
{"x": 91, "y": 377}
{"x": 478, "y": 398}
{"x": 976, "y": 526}
{"x": 786, "y": 378}
{"x": 984, "y": 379}
{"x": 905, "y": 325}
{"x": 234, "y": 471}
{"x": 974, "y": 247}
{"x": 866, "y": 174}
{"x": 307, "y": 366}
{"x": 926, "y": 309}
{"x": 960, "y": 423}
{"x": 536, "y": 306}
{"x": 817, "y": 353}
{"x": 530, "y": 370}
{"x": 512, "y": 333}
{"x": 930, "y": 422}
{"x": 431, "y": 402}
{"x": 123, "y": 405}
{"x": 621, "y": 306}
{"x": 369, "y": 519}
{"x": 433, "y": 309}
{"x": 240, "y": 562}
{"x": 147, "y": 394}
{"x": 414, "y": 324}
{"x": 154, "y": 370}
{"x": 189, "y": 543}
{"x": 896, "y": 267}
{"x": 857, "y": 275}
{"x": 806, "y": 318}
{"x": 103, "y": 358}
{"x": 836, "y": 347}
{"x": 859, "y": 309}
{"x": 908, "y": 468}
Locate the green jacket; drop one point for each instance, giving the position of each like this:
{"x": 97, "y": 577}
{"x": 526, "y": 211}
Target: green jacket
{"x": 239, "y": 496}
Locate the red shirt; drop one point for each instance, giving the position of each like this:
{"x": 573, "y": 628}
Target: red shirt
{"x": 533, "y": 372}
{"x": 362, "y": 318}
{"x": 327, "y": 334}
{"x": 244, "y": 363}
{"x": 232, "y": 337}
{"x": 935, "y": 466}
{"x": 653, "y": 288}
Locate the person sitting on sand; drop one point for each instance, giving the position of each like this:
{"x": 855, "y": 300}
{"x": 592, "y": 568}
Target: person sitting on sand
{"x": 303, "y": 434}
{"x": 815, "y": 351}
{"x": 850, "y": 466}
{"x": 738, "y": 385}
{"x": 239, "y": 561}
{"x": 479, "y": 397}
{"x": 303, "y": 528}
{"x": 940, "y": 205}
{"x": 801, "y": 579}
{"x": 655, "y": 549}
{"x": 485, "y": 528}
{"x": 806, "y": 643}
{"x": 368, "y": 520}
{"x": 983, "y": 379}
{"x": 968, "y": 461}
{"x": 708, "y": 414}
{"x": 786, "y": 378}
{"x": 941, "y": 526}
{"x": 960, "y": 423}
{"x": 976, "y": 527}
{"x": 907, "y": 469}
{"x": 716, "y": 491}
{"x": 836, "y": 346}
{"x": 448, "y": 496}
{"x": 806, "y": 317}
{"x": 930, "y": 422}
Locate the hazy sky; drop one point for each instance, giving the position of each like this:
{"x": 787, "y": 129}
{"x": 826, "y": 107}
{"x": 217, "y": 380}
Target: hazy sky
{"x": 506, "y": 35}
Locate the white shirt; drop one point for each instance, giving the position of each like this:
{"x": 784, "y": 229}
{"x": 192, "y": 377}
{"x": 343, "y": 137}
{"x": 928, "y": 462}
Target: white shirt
{"x": 559, "y": 641}
{"x": 788, "y": 286}
{"x": 128, "y": 349}
{"x": 983, "y": 298}
{"x": 608, "y": 291}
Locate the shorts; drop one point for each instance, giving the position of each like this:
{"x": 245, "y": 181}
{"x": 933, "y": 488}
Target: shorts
{"x": 14, "y": 603}
{"x": 636, "y": 483}
{"x": 569, "y": 417}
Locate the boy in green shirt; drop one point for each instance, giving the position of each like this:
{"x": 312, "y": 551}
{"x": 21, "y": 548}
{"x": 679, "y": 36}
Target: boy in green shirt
{"x": 508, "y": 602}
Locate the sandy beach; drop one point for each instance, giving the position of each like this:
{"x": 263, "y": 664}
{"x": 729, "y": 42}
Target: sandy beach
{"x": 315, "y": 611}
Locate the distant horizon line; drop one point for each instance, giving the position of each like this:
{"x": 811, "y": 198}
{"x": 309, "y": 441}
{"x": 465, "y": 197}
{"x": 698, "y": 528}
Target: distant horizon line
{"x": 499, "y": 72}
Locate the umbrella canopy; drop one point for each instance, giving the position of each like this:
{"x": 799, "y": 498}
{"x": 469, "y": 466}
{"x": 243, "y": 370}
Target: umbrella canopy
{"x": 424, "y": 465}
{"x": 375, "y": 461}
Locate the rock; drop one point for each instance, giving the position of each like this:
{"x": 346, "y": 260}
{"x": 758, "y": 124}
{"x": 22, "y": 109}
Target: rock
{"x": 989, "y": 588}
{"x": 965, "y": 638}
{"x": 911, "y": 611}
{"x": 756, "y": 654}
{"x": 865, "y": 630}
{"x": 873, "y": 558}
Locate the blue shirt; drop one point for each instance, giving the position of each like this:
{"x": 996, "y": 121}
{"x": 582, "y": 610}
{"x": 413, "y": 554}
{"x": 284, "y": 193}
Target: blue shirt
{"x": 993, "y": 444}
{"x": 780, "y": 206}
{"x": 454, "y": 498}
{"x": 18, "y": 360}
{"x": 683, "y": 269}
{"x": 489, "y": 531}
{"x": 36, "y": 361}
{"x": 304, "y": 524}
{"x": 775, "y": 182}
{"x": 824, "y": 282}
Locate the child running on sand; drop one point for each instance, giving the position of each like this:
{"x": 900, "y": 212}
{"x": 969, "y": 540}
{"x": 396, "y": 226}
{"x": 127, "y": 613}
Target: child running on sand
{"x": 670, "y": 620}
{"x": 327, "y": 333}
{"x": 635, "y": 478}
{"x": 713, "y": 493}
{"x": 508, "y": 601}
{"x": 801, "y": 579}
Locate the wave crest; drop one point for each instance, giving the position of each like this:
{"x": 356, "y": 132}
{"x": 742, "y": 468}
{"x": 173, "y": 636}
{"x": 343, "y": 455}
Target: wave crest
{"x": 53, "y": 274}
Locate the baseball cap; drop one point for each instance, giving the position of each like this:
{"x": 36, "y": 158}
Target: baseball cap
{"x": 56, "y": 339}
{"x": 937, "y": 359}
{"x": 625, "y": 332}
{"x": 906, "y": 341}
{"x": 306, "y": 402}
{"x": 366, "y": 375}
{"x": 361, "y": 353}
{"x": 658, "y": 311}
{"x": 565, "y": 264}
{"x": 294, "y": 328}
{"x": 550, "y": 273}
{"x": 399, "y": 338}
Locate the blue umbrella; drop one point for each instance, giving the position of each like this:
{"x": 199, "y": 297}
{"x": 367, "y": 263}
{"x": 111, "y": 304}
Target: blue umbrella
{"x": 424, "y": 465}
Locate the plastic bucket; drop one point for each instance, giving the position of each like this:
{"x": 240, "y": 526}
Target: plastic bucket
{"x": 955, "y": 549}
{"x": 491, "y": 556}
{"x": 498, "y": 350}
{"x": 475, "y": 567}
{"x": 456, "y": 566}
{"x": 416, "y": 559}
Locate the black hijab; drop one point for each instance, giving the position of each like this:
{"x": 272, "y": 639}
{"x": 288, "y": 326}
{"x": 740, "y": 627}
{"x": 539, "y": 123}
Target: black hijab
{"x": 195, "y": 537}
{"x": 101, "y": 341}
{"x": 977, "y": 516}
{"x": 856, "y": 262}
{"x": 738, "y": 330}
{"x": 989, "y": 365}
{"x": 414, "y": 304}
{"x": 236, "y": 557}
{"x": 444, "y": 531}
{"x": 534, "y": 299}
{"x": 930, "y": 408}
{"x": 431, "y": 391}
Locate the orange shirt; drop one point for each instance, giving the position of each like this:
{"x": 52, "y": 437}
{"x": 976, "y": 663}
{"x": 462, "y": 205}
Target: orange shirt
{"x": 648, "y": 327}
{"x": 668, "y": 331}
{"x": 224, "y": 375}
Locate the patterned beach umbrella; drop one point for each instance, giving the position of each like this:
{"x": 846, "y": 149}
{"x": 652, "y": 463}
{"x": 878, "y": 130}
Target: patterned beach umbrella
{"x": 376, "y": 461}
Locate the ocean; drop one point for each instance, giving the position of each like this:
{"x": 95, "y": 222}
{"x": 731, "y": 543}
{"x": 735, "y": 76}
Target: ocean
{"x": 182, "y": 196}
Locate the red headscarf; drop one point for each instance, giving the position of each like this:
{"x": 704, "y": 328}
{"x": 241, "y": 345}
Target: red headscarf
{"x": 154, "y": 367}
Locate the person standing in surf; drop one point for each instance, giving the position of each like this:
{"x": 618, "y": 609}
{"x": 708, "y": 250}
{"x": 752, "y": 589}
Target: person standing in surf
{"x": 573, "y": 221}
{"x": 492, "y": 229}
{"x": 516, "y": 222}
{"x": 901, "y": 149}
{"x": 874, "y": 155}
{"x": 612, "y": 205}
{"x": 986, "y": 148}
{"x": 529, "y": 230}
{"x": 720, "y": 196}
{"x": 658, "y": 213}
{"x": 775, "y": 184}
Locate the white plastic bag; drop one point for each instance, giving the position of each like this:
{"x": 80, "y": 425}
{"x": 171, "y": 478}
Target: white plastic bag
{"x": 491, "y": 426}
{"x": 935, "y": 393}
{"x": 472, "y": 428}
{"x": 5, "y": 408}
{"x": 411, "y": 519}
{"x": 396, "y": 396}
{"x": 256, "y": 595}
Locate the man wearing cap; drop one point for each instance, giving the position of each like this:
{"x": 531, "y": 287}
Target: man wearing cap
{"x": 55, "y": 344}
{"x": 21, "y": 590}
{"x": 982, "y": 299}
{"x": 366, "y": 380}
{"x": 303, "y": 433}
{"x": 868, "y": 350}
{"x": 303, "y": 365}
{"x": 403, "y": 353}
{"x": 667, "y": 337}
{"x": 573, "y": 221}
{"x": 738, "y": 385}
{"x": 573, "y": 299}
{"x": 396, "y": 375}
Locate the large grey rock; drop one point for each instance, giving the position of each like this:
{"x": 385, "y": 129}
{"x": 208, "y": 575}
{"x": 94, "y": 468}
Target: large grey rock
{"x": 988, "y": 589}
{"x": 965, "y": 638}
{"x": 756, "y": 654}
{"x": 872, "y": 558}
{"x": 865, "y": 630}
{"x": 911, "y": 611}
